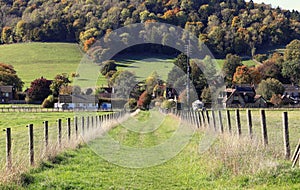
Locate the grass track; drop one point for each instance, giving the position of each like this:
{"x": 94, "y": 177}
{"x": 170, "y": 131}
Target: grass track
{"x": 83, "y": 169}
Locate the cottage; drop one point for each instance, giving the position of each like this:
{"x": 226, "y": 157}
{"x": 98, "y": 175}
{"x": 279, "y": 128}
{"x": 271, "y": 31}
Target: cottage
{"x": 242, "y": 96}
{"x": 7, "y": 94}
{"x": 88, "y": 102}
{"x": 291, "y": 94}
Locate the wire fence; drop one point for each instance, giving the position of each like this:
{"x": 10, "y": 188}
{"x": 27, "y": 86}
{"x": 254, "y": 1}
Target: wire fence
{"x": 30, "y": 145}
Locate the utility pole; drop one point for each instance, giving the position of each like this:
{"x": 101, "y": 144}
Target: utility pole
{"x": 188, "y": 51}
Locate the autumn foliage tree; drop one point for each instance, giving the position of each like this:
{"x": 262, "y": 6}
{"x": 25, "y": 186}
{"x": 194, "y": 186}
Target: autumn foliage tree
{"x": 8, "y": 76}
{"x": 88, "y": 43}
{"x": 144, "y": 100}
{"x": 39, "y": 90}
{"x": 246, "y": 75}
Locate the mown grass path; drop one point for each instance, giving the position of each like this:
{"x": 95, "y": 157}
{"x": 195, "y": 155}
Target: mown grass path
{"x": 84, "y": 169}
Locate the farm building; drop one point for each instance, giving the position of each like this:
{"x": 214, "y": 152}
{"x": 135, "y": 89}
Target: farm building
{"x": 7, "y": 94}
{"x": 88, "y": 102}
{"x": 242, "y": 97}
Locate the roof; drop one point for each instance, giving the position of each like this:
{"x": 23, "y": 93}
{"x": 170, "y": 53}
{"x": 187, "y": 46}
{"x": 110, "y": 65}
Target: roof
{"x": 243, "y": 89}
{"x": 77, "y": 99}
{"x": 6, "y": 88}
{"x": 291, "y": 88}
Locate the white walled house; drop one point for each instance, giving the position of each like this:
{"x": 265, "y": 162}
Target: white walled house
{"x": 86, "y": 102}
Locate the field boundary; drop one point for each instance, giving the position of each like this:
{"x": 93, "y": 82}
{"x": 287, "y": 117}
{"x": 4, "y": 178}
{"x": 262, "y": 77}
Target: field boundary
{"x": 43, "y": 143}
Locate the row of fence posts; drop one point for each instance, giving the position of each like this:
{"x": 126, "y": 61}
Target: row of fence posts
{"x": 92, "y": 122}
{"x": 202, "y": 119}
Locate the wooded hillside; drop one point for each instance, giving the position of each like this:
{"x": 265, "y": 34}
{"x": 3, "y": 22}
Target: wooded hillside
{"x": 226, "y": 26}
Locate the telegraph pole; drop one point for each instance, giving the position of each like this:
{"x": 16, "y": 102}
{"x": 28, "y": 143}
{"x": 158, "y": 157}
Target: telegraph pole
{"x": 188, "y": 51}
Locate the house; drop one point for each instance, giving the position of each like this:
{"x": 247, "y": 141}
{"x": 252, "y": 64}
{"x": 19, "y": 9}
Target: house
{"x": 87, "y": 102}
{"x": 291, "y": 94}
{"x": 241, "y": 97}
{"x": 7, "y": 94}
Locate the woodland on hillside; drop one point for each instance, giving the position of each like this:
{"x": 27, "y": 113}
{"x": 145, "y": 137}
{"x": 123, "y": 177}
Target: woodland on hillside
{"x": 225, "y": 26}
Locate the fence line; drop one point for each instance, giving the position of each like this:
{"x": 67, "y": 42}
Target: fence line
{"x": 194, "y": 118}
{"x": 47, "y": 141}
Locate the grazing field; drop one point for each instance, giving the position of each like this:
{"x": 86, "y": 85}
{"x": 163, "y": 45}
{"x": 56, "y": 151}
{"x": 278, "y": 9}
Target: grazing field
{"x": 33, "y": 60}
{"x": 230, "y": 163}
{"x": 144, "y": 65}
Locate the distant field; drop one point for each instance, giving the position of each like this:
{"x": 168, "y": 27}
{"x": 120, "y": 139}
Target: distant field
{"x": 144, "y": 65}
{"x": 33, "y": 60}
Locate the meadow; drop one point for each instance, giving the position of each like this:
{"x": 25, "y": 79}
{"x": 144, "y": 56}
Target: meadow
{"x": 34, "y": 60}
{"x": 230, "y": 163}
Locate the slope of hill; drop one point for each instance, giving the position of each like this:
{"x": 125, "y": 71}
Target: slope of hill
{"x": 226, "y": 26}
{"x": 33, "y": 60}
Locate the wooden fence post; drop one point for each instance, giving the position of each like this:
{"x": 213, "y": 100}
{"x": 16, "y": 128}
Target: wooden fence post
{"x": 46, "y": 135}
{"x": 296, "y": 155}
{"x": 286, "y": 139}
{"x": 87, "y": 123}
{"x": 199, "y": 119}
{"x": 264, "y": 127}
{"x": 238, "y": 122}
{"x": 214, "y": 119}
{"x": 228, "y": 120}
{"x": 249, "y": 120}
{"x": 31, "y": 145}
{"x": 221, "y": 122}
{"x": 207, "y": 117}
{"x": 8, "y": 149}
{"x": 69, "y": 128}
{"x": 96, "y": 121}
{"x": 92, "y": 121}
{"x": 82, "y": 125}
{"x": 203, "y": 118}
{"x": 76, "y": 126}
{"x": 59, "y": 132}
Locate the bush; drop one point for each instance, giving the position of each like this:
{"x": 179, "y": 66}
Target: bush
{"x": 49, "y": 102}
{"x": 144, "y": 100}
{"x": 131, "y": 105}
{"x": 168, "y": 104}
{"x": 261, "y": 57}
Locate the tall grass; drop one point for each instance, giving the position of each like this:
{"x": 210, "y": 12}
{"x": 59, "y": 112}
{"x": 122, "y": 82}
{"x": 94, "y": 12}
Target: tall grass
{"x": 20, "y": 146}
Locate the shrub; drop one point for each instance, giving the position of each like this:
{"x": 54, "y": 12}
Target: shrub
{"x": 168, "y": 104}
{"x": 49, "y": 102}
{"x": 144, "y": 100}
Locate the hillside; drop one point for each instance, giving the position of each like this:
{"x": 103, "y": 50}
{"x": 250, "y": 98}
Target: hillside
{"x": 225, "y": 26}
{"x": 33, "y": 60}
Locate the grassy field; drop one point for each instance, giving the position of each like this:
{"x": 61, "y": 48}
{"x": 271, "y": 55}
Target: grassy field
{"x": 33, "y": 60}
{"x": 84, "y": 169}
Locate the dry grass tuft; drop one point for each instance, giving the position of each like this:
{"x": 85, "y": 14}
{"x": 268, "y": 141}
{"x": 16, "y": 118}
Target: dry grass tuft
{"x": 240, "y": 155}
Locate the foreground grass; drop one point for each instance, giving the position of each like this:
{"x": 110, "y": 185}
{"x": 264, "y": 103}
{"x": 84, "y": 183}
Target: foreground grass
{"x": 84, "y": 169}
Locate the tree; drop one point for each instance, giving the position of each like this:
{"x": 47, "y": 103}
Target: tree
{"x": 210, "y": 68}
{"x": 206, "y": 96}
{"x": 291, "y": 69}
{"x": 125, "y": 85}
{"x": 229, "y": 67}
{"x": 6, "y": 35}
{"x": 292, "y": 51}
{"x": 108, "y": 66}
{"x": 246, "y": 75}
{"x": 276, "y": 99}
{"x": 144, "y": 100}
{"x": 152, "y": 81}
{"x": 39, "y": 90}
{"x": 9, "y": 77}
{"x": 269, "y": 87}
{"x": 270, "y": 69}
{"x": 59, "y": 81}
